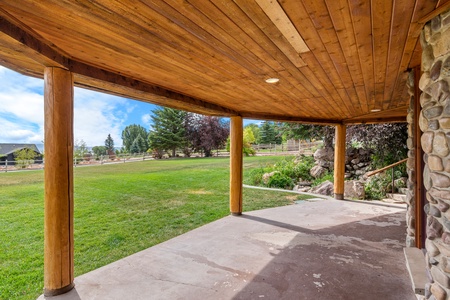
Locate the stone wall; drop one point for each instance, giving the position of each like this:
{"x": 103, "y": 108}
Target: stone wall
{"x": 357, "y": 162}
{"x": 435, "y": 124}
{"x": 410, "y": 165}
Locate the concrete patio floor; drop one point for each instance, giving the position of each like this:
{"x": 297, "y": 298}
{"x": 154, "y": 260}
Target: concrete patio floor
{"x": 326, "y": 249}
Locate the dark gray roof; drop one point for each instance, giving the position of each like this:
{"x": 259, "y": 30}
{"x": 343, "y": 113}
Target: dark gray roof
{"x": 6, "y": 149}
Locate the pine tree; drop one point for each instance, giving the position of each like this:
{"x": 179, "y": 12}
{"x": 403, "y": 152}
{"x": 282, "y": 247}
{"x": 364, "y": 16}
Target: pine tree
{"x": 269, "y": 134}
{"x": 168, "y": 130}
{"x": 135, "y": 147}
{"x": 109, "y": 145}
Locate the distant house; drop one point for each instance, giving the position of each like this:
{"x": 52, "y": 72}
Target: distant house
{"x": 7, "y": 151}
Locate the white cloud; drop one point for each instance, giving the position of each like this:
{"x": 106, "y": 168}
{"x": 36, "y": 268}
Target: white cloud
{"x": 97, "y": 115}
{"x": 22, "y": 112}
{"x": 20, "y": 133}
{"x": 146, "y": 119}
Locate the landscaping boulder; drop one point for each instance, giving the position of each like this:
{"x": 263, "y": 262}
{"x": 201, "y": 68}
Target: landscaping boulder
{"x": 326, "y": 188}
{"x": 266, "y": 176}
{"x": 326, "y": 154}
{"x": 318, "y": 171}
{"x": 354, "y": 189}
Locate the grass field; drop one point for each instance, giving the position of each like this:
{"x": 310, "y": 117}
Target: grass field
{"x": 120, "y": 209}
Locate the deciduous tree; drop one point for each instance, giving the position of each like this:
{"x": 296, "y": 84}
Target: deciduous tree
{"x": 387, "y": 140}
{"x": 130, "y": 133}
{"x": 206, "y": 133}
{"x": 99, "y": 150}
{"x": 80, "y": 149}
{"x": 24, "y": 157}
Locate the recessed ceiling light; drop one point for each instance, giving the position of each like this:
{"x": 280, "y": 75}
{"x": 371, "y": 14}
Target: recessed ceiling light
{"x": 272, "y": 80}
{"x": 375, "y": 110}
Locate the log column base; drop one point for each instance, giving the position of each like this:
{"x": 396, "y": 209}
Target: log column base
{"x": 339, "y": 196}
{"x": 63, "y": 290}
{"x": 236, "y": 214}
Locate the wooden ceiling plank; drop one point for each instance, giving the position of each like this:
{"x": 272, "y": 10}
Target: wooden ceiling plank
{"x": 401, "y": 17}
{"x": 20, "y": 63}
{"x": 186, "y": 20}
{"x": 130, "y": 32}
{"x": 174, "y": 38}
{"x": 237, "y": 87}
{"x": 416, "y": 57}
{"x": 257, "y": 15}
{"x": 421, "y": 9}
{"x": 313, "y": 107}
{"x": 161, "y": 78}
{"x": 30, "y": 40}
{"x": 318, "y": 59}
{"x": 361, "y": 19}
{"x": 339, "y": 11}
{"x": 381, "y": 24}
{"x": 178, "y": 5}
{"x": 301, "y": 18}
{"x": 277, "y": 15}
{"x": 330, "y": 95}
{"x": 84, "y": 44}
{"x": 327, "y": 33}
{"x": 246, "y": 43}
{"x": 252, "y": 30}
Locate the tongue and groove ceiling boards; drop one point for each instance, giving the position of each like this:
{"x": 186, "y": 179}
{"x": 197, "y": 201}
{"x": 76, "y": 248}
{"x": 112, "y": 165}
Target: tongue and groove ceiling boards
{"x": 336, "y": 60}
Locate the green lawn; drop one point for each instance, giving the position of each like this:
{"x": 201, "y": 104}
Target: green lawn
{"x": 120, "y": 209}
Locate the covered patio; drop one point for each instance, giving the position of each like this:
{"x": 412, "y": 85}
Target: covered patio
{"x": 334, "y": 63}
{"x": 280, "y": 253}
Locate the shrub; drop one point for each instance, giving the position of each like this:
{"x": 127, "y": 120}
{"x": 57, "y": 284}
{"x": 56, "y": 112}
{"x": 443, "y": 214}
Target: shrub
{"x": 249, "y": 151}
{"x": 377, "y": 186}
{"x": 292, "y": 169}
{"x": 255, "y": 176}
{"x": 282, "y": 181}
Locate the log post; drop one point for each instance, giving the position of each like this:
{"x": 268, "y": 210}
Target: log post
{"x": 236, "y": 143}
{"x": 419, "y": 188}
{"x": 339, "y": 162}
{"x": 58, "y": 181}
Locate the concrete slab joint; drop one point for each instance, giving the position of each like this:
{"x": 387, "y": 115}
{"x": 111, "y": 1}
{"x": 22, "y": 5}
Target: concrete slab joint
{"x": 435, "y": 103}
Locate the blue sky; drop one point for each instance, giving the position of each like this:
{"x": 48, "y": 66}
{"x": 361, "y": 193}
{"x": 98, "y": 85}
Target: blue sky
{"x": 95, "y": 114}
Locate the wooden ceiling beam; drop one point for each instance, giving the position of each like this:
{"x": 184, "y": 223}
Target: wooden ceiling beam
{"x": 32, "y": 45}
{"x": 398, "y": 119}
{"x": 439, "y": 10}
{"x": 283, "y": 118}
{"x": 39, "y": 50}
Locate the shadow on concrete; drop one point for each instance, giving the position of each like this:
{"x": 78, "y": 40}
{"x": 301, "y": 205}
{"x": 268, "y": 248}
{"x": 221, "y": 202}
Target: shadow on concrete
{"x": 357, "y": 260}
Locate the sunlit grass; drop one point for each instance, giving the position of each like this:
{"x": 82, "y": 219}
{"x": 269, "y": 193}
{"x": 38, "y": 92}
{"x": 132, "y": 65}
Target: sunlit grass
{"x": 120, "y": 209}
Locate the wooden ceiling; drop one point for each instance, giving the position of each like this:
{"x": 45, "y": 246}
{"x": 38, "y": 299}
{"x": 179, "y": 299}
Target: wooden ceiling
{"x": 336, "y": 60}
